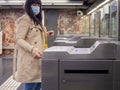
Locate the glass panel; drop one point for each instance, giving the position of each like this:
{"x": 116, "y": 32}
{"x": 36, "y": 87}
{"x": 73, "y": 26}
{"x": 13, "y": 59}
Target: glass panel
{"x": 92, "y": 24}
{"x": 114, "y": 19}
{"x": 97, "y": 23}
{"x": 101, "y": 22}
{"x": 105, "y": 25}
{"x": 85, "y": 25}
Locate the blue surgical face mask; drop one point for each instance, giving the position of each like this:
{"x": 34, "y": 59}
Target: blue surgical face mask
{"x": 35, "y": 9}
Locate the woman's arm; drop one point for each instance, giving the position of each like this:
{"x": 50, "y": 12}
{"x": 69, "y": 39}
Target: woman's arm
{"x": 22, "y": 30}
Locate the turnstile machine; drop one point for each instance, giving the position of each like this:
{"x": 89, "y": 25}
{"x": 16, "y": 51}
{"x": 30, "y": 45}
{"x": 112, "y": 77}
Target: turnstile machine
{"x": 70, "y": 68}
{"x": 79, "y": 42}
{"x": 64, "y": 37}
{"x": 66, "y": 41}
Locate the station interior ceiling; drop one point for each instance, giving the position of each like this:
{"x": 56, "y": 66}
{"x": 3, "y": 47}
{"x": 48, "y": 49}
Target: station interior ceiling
{"x": 86, "y": 5}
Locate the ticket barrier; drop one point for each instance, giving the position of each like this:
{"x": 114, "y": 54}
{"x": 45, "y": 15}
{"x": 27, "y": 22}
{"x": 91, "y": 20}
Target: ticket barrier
{"x": 64, "y": 37}
{"x": 70, "y": 68}
{"x": 79, "y": 42}
{"x": 66, "y": 41}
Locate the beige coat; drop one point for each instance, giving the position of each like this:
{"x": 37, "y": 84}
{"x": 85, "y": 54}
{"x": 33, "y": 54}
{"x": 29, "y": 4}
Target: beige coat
{"x": 28, "y": 39}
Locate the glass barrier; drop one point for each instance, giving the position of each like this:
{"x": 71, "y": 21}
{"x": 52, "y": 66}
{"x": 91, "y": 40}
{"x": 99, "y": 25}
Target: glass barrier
{"x": 104, "y": 21}
{"x": 85, "y": 25}
{"x": 105, "y": 24}
{"x": 114, "y": 19}
{"x": 92, "y": 27}
{"x": 101, "y": 22}
{"x": 97, "y": 23}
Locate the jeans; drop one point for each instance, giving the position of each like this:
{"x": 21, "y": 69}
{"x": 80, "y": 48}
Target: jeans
{"x": 32, "y": 86}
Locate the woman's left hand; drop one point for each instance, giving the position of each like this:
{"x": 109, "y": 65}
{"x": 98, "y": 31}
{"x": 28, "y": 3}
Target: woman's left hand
{"x": 51, "y": 33}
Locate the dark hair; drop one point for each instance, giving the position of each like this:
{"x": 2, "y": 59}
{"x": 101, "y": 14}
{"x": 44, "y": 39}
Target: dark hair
{"x": 38, "y": 18}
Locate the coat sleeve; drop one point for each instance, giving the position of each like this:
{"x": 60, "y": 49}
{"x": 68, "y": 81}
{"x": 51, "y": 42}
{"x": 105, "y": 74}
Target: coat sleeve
{"x": 22, "y": 30}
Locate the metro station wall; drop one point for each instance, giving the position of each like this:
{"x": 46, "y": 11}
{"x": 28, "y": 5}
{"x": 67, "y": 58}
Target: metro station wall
{"x": 69, "y": 22}
{"x": 7, "y": 21}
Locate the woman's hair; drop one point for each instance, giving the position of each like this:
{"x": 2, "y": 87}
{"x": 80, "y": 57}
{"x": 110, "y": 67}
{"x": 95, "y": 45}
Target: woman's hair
{"x": 38, "y": 18}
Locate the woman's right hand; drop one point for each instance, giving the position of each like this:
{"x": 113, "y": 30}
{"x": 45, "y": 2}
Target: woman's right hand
{"x": 37, "y": 55}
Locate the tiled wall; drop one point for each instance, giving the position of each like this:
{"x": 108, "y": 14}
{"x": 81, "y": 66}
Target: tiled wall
{"x": 69, "y": 22}
{"x": 7, "y": 21}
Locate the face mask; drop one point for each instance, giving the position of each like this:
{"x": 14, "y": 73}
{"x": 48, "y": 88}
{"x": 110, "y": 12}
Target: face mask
{"x": 35, "y": 9}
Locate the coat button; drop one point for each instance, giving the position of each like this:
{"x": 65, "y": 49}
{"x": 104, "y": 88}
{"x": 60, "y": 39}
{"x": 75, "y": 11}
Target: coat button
{"x": 36, "y": 30}
{"x": 35, "y": 42}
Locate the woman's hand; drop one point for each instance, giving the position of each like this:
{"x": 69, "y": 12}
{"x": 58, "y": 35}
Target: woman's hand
{"x": 51, "y": 33}
{"x": 37, "y": 55}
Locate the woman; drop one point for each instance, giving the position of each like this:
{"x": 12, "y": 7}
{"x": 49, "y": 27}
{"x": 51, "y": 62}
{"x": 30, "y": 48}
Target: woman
{"x": 30, "y": 42}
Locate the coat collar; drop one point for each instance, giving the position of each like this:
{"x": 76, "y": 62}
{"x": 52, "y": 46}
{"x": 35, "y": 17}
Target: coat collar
{"x": 33, "y": 24}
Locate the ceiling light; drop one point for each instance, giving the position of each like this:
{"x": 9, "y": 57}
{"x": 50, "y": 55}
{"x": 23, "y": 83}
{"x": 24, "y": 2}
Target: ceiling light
{"x": 63, "y": 3}
{"x": 106, "y": 1}
{"x": 11, "y": 2}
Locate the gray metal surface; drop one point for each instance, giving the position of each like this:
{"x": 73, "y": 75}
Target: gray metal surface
{"x": 70, "y": 68}
{"x": 116, "y": 74}
{"x": 79, "y": 42}
{"x": 63, "y": 37}
{"x": 66, "y": 40}
{"x": 86, "y": 75}
{"x": 100, "y": 50}
{"x": 50, "y": 75}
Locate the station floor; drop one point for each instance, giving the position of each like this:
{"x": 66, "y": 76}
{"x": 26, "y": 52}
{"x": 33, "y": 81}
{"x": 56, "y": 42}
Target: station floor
{"x": 6, "y": 80}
